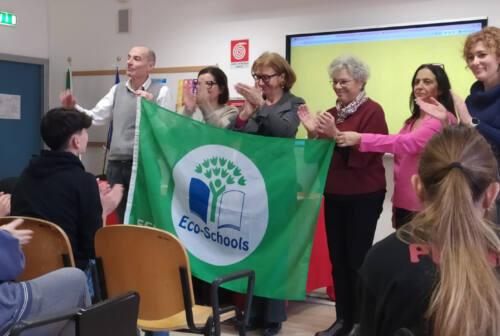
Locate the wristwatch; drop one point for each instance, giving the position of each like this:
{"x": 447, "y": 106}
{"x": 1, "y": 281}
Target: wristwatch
{"x": 475, "y": 122}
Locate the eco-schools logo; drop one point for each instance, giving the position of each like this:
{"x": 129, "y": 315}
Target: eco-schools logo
{"x": 219, "y": 206}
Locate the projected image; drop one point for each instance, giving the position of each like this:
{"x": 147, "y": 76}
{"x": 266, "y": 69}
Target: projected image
{"x": 392, "y": 54}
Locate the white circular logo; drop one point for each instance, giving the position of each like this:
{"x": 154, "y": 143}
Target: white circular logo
{"x": 239, "y": 50}
{"x": 219, "y": 207}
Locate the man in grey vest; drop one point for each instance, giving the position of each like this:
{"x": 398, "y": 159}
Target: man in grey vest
{"x": 119, "y": 105}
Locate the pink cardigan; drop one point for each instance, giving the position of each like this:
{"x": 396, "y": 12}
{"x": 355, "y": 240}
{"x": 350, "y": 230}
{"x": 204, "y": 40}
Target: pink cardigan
{"x": 406, "y": 146}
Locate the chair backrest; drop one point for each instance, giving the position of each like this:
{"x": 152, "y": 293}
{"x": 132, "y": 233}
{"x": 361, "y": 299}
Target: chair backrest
{"x": 145, "y": 260}
{"x": 48, "y": 251}
{"x": 115, "y": 316}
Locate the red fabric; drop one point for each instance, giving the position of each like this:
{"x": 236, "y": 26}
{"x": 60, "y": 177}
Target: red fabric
{"x": 320, "y": 268}
{"x": 112, "y": 219}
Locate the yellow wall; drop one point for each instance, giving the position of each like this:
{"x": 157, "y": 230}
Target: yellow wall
{"x": 392, "y": 65}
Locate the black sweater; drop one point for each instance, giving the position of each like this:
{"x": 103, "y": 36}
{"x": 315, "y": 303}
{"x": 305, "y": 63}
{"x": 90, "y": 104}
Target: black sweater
{"x": 55, "y": 187}
{"x": 395, "y": 284}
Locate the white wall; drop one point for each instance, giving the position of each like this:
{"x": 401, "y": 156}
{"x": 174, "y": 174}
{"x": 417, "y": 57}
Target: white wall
{"x": 30, "y": 36}
{"x": 198, "y": 32}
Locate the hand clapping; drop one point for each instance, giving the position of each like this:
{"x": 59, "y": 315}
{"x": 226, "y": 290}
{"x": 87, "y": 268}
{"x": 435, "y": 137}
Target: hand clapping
{"x": 24, "y": 236}
{"x": 433, "y": 108}
{"x": 252, "y": 94}
{"x": 326, "y": 125}
{"x": 4, "y": 204}
{"x": 110, "y": 198}
{"x": 462, "y": 110}
{"x": 308, "y": 121}
{"x": 188, "y": 97}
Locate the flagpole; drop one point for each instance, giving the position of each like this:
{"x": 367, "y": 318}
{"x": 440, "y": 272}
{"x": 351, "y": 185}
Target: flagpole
{"x": 110, "y": 128}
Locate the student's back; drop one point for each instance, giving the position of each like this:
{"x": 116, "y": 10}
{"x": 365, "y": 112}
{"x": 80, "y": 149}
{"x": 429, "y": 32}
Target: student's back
{"x": 55, "y": 187}
{"x": 396, "y": 291}
{"x": 439, "y": 274}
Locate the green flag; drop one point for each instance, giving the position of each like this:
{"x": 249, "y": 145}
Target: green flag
{"x": 68, "y": 79}
{"x": 236, "y": 201}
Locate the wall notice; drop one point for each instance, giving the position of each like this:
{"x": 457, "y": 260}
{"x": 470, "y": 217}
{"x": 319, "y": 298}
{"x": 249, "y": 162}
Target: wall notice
{"x": 10, "y": 106}
{"x": 239, "y": 53}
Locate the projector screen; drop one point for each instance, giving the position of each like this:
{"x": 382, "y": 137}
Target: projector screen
{"x": 392, "y": 54}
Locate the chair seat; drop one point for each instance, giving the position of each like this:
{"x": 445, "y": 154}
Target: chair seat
{"x": 178, "y": 321}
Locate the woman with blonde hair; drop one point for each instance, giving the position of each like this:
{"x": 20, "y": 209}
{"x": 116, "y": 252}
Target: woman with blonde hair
{"x": 481, "y": 108}
{"x": 439, "y": 274}
{"x": 271, "y": 110}
{"x": 482, "y": 54}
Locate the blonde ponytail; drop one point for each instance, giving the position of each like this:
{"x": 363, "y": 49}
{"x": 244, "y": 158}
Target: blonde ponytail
{"x": 456, "y": 168}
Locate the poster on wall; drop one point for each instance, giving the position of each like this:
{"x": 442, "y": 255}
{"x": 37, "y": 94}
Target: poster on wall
{"x": 10, "y": 106}
{"x": 239, "y": 53}
{"x": 191, "y": 84}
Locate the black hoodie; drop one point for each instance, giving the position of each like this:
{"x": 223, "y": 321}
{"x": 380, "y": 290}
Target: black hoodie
{"x": 55, "y": 187}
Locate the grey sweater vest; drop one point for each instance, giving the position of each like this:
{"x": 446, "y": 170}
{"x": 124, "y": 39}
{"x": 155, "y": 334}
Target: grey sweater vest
{"x": 124, "y": 114}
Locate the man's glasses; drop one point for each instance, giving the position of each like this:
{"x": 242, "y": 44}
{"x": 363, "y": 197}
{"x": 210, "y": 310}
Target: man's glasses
{"x": 264, "y": 78}
{"x": 342, "y": 83}
{"x": 209, "y": 84}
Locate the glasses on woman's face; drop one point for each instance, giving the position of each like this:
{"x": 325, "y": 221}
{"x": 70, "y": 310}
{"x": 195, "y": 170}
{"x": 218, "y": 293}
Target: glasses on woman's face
{"x": 208, "y": 84}
{"x": 342, "y": 82}
{"x": 264, "y": 78}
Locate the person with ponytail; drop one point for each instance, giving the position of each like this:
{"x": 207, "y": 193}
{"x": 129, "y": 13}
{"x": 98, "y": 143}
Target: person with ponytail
{"x": 440, "y": 274}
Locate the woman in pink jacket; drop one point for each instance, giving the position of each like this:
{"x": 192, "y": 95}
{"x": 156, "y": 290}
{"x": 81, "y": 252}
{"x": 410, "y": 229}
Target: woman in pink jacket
{"x": 430, "y": 92}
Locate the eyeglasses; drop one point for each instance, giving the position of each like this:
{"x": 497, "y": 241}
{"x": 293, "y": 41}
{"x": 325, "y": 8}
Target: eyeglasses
{"x": 264, "y": 78}
{"x": 342, "y": 83}
{"x": 209, "y": 84}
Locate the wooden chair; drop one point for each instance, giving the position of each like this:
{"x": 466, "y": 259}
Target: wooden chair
{"x": 116, "y": 316}
{"x": 48, "y": 251}
{"x": 154, "y": 263}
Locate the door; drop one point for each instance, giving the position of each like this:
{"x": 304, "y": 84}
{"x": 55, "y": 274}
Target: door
{"x": 20, "y": 138}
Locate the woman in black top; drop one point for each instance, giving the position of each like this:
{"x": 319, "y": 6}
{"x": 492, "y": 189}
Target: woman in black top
{"x": 439, "y": 274}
